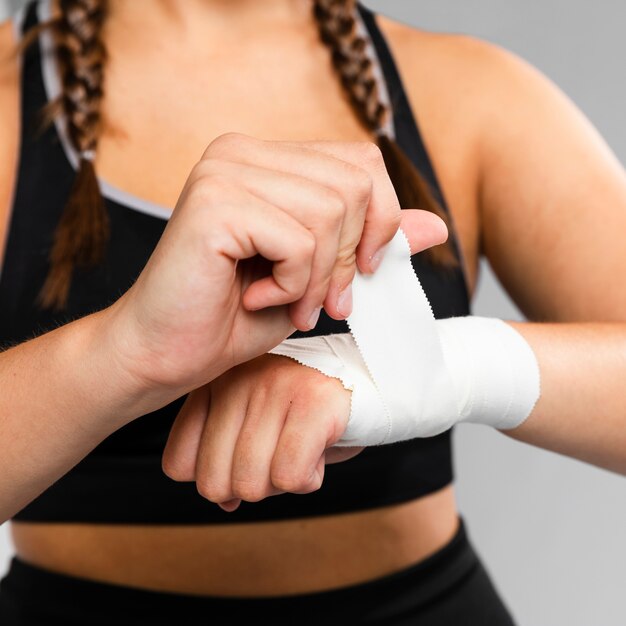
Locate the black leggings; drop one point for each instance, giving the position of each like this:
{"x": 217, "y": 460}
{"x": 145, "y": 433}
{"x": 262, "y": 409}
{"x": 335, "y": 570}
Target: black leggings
{"x": 450, "y": 588}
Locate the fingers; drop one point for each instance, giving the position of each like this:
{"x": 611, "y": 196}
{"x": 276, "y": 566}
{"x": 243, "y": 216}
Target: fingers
{"x": 267, "y": 432}
{"x": 231, "y": 505}
{"x": 251, "y": 226}
{"x": 319, "y": 208}
{"x": 338, "y": 455}
{"x": 317, "y": 418}
{"x": 353, "y": 170}
{"x": 241, "y": 433}
{"x": 219, "y": 437}
{"x": 181, "y": 449}
{"x": 423, "y": 229}
{"x": 298, "y": 463}
{"x": 262, "y": 457}
{"x": 382, "y": 213}
{"x": 342, "y": 194}
{"x": 254, "y": 450}
{"x": 240, "y": 442}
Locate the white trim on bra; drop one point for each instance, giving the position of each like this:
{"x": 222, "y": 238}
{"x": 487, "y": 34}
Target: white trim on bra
{"x": 17, "y": 22}
{"x": 52, "y": 87}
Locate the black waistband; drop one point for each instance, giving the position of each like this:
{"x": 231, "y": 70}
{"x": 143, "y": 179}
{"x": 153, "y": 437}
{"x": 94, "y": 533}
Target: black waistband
{"x": 37, "y": 593}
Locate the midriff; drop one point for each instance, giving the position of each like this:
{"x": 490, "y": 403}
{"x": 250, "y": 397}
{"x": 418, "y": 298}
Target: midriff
{"x": 252, "y": 559}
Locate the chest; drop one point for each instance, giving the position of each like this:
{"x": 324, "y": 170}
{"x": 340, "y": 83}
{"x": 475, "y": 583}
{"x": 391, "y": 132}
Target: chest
{"x": 160, "y": 120}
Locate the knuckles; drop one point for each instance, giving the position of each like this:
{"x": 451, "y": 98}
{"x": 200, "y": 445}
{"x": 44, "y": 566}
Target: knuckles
{"x": 362, "y": 187}
{"x": 207, "y": 189}
{"x": 213, "y": 492}
{"x": 371, "y": 156}
{"x": 345, "y": 266}
{"x": 177, "y": 468}
{"x": 228, "y": 144}
{"x": 308, "y": 244}
{"x": 281, "y": 379}
{"x": 335, "y": 209}
{"x": 249, "y": 490}
{"x": 291, "y": 481}
{"x": 370, "y": 152}
{"x": 394, "y": 219}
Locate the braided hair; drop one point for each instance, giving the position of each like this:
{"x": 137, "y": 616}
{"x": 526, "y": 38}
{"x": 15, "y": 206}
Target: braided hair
{"x": 337, "y": 26}
{"x": 81, "y": 236}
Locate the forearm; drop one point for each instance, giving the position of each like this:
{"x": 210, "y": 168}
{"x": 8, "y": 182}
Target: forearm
{"x": 582, "y": 408}
{"x": 61, "y": 394}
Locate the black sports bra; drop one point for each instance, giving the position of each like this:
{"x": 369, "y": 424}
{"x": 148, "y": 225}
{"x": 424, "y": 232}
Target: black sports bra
{"x": 121, "y": 480}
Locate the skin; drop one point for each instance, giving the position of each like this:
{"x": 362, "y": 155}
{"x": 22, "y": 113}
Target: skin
{"x": 529, "y": 182}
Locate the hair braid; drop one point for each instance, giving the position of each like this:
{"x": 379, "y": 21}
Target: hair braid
{"x": 337, "y": 28}
{"x": 81, "y": 236}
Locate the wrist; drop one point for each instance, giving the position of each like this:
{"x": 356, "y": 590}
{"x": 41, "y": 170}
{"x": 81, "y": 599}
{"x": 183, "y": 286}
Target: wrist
{"x": 131, "y": 378}
{"x": 493, "y": 370}
{"x": 164, "y": 358}
{"x": 118, "y": 391}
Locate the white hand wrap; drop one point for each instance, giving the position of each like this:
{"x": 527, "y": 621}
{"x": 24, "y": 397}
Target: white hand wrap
{"x": 414, "y": 376}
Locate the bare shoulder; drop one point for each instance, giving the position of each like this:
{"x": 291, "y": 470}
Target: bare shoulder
{"x": 477, "y": 94}
{"x": 453, "y": 83}
{"x": 9, "y": 121}
{"x": 454, "y": 72}
{"x": 449, "y": 52}
{"x": 527, "y": 175}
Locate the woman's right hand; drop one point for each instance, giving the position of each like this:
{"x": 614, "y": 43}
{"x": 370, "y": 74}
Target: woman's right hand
{"x": 313, "y": 209}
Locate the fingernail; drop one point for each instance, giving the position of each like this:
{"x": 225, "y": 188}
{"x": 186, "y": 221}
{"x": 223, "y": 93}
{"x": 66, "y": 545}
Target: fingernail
{"x": 344, "y": 301}
{"x": 314, "y": 317}
{"x": 376, "y": 258}
{"x": 230, "y": 506}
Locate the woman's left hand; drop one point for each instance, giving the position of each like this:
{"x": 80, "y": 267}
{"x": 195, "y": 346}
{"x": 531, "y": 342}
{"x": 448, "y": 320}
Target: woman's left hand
{"x": 263, "y": 428}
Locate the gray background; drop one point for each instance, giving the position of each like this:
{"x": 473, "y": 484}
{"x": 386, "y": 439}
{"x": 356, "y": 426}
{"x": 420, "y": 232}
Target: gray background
{"x": 551, "y": 530}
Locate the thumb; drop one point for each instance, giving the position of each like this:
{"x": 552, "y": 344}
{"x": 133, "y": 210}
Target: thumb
{"x": 423, "y": 229}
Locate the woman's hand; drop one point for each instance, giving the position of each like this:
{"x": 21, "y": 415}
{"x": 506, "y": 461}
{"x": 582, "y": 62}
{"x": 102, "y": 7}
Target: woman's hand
{"x": 261, "y": 429}
{"x": 312, "y": 210}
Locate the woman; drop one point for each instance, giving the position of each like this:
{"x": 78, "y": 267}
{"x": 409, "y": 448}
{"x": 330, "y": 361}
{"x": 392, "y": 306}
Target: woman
{"x": 380, "y": 542}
